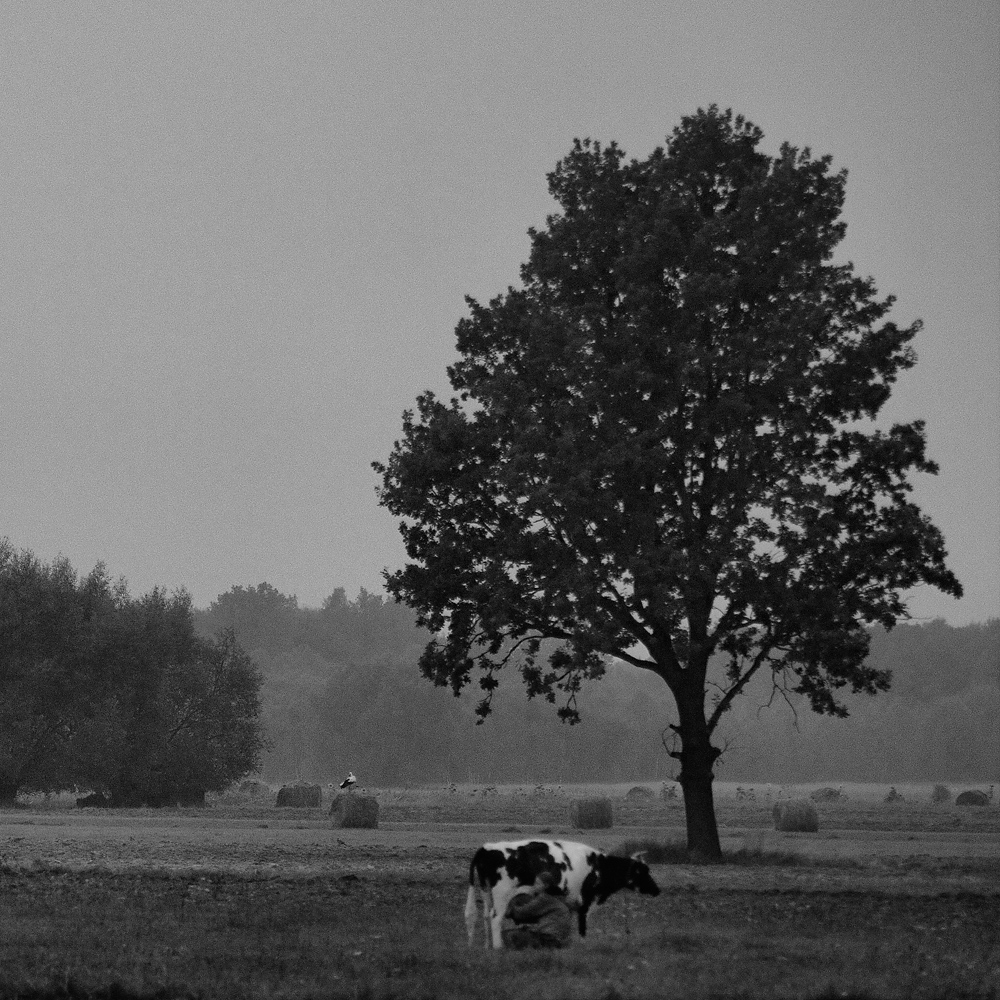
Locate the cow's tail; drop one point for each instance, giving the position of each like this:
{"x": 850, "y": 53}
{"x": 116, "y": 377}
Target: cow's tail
{"x": 471, "y": 900}
{"x": 471, "y": 915}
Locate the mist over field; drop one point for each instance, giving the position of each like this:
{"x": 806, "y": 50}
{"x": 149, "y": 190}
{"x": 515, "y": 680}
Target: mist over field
{"x": 343, "y": 691}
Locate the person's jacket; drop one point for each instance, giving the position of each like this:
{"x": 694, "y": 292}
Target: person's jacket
{"x": 548, "y": 914}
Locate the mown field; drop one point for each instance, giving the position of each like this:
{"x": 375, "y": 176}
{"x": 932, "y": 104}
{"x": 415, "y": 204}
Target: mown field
{"x": 242, "y": 899}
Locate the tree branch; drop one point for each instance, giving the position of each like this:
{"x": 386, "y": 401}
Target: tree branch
{"x": 737, "y": 687}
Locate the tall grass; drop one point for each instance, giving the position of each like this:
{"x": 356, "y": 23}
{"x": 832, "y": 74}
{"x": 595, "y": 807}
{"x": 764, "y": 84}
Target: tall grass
{"x": 675, "y": 852}
{"x": 101, "y": 935}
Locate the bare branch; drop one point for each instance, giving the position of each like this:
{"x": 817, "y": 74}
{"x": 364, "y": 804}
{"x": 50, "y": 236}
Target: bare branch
{"x": 724, "y": 749}
{"x": 782, "y": 690}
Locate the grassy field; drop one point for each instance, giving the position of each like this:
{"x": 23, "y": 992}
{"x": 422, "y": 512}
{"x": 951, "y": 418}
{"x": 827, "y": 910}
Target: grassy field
{"x": 242, "y": 899}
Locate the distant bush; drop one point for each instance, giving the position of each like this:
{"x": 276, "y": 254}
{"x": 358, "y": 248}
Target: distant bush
{"x": 96, "y": 800}
{"x": 254, "y": 789}
{"x": 941, "y": 794}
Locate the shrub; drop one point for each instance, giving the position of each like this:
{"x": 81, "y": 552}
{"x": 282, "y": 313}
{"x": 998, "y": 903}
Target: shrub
{"x": 299, "y": 795}
{"x": 676, "y": 853}
{"x": 756, "y": 856}
{"x": 255, "y": 789}
{"x": 795, "y": 816}
{"x": 591, "y": 814}
{"x": 655, "y": 853}
{"x": 358, "y": 811}
{"x": 96, "y": 800}
{"x": 941, "y": 794}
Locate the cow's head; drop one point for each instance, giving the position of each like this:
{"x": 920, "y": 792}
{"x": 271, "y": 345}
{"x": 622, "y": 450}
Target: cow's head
{"x": 609, "y": 873}
{"x": 639, "y": 877}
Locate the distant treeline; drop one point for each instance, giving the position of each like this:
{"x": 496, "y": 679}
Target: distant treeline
{"x": 114, "y": 694}
{"x": 342, "y": 691}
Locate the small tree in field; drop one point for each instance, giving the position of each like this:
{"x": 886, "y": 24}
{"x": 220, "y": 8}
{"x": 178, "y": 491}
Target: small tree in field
{"x": 660, "y": 450}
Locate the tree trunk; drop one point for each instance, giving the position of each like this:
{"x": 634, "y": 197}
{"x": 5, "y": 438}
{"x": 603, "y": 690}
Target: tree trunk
{"x": 699, "y": 805}
{"x": 697, "y": 757}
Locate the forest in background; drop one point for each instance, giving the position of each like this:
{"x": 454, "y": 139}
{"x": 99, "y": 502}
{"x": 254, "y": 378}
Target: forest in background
{"x": 342, "y": 691}
{"x": 115, "y": 694}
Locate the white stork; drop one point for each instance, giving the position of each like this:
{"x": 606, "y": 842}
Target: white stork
{"x": 350, "y": 781}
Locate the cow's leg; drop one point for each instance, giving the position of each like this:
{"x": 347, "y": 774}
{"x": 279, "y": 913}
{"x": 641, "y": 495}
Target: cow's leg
{"x": 581, "y": 919}
{"x": 499, "y": 898}
{"x": 496, "y": 927}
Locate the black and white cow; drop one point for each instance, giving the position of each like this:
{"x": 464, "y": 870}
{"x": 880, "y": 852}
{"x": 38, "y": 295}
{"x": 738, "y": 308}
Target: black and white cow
{"x": 586, "y": 877}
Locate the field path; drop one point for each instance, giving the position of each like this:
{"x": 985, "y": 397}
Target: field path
{"x": 298, "y": 847}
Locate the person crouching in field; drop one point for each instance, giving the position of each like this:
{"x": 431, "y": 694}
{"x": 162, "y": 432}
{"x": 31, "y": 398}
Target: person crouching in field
{"x": 537, "y": 918}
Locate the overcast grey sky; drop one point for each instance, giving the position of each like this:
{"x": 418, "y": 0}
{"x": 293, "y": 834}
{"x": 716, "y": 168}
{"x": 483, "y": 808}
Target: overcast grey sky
{"x": 236, "y": 239}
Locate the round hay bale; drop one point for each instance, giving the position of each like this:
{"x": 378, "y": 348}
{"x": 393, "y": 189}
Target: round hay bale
{"x": 301, "y": 796}
{"x": 591, "y": 814}
{"x": 795, "y": 816}
{"x": 639, "y": 793}
{"x": 973, "y": 797}
{"x": 359, "y": 811}
{"x": 826, "y": 795}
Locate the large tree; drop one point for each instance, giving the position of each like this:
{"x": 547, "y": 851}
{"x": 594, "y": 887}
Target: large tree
{"x": 663, "y": 449}
{"x": 118, "y": 694}
{"x": 51, "y": 666}
{"x": 180, "y": 714}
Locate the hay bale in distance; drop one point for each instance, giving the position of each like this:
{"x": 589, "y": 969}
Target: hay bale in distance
{"x": 795, "y": 816}
{"x": 301, "y": 796}
{"x": 826, "y": 795}
{"x": 973, "y": 797}
{"x": 591, "y": 814}
{"x": 358, "y": 811}
{"x": 639, "y": 793}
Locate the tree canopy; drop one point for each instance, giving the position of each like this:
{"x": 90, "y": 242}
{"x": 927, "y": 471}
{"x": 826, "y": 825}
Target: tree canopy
{"x": 662, "y": 447}
{"x": 51, "y": 627}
